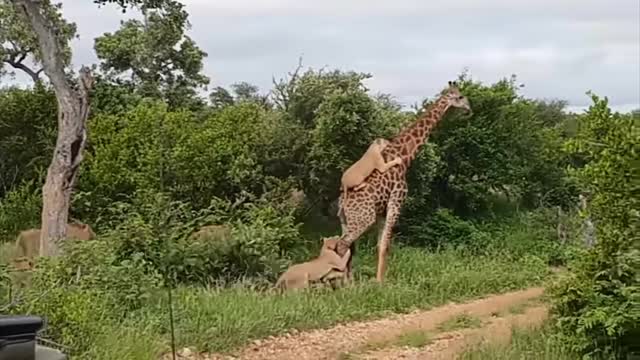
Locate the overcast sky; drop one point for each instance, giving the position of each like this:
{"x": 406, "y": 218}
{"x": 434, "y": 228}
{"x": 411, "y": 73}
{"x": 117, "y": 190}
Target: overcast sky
{"x": 557, "y": 48}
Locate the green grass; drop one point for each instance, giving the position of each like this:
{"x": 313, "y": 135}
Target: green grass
{"x": 223, "y": 319}
{"x": 415, "y": 338}
{"x": 520, "y": 308}
{"x": 411, "y": 338}
{"x": 345, "y": 356}
{"x": 7, "y": 252}
{"x": 462, "y": 321}
{"x": 526, "y": 344}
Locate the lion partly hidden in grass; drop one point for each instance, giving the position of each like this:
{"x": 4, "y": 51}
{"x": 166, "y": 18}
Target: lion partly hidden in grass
{"x": 326, "y": 267}
{"x": 28, "y": 243}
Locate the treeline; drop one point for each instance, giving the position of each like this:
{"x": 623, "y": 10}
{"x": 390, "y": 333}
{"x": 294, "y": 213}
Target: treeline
{"x": 252, "y": 147}
{"x": 161, "y": 162}
{"x": 154, "y": 173}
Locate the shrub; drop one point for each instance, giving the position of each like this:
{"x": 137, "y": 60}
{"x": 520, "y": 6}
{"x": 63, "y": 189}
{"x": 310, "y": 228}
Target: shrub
{"x": 240, "y": 148}
{"x": 85, "y": 291}
{"x": 20, "y": 209}
{"x": 158, "y": 230}
{"x": 596, "y": 304}
{"x": 443, "y": 229}
{"x": 509, "y": 146}
{"x": 28, "y": 134}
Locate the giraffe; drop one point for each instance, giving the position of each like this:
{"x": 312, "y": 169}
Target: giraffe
{"x": 359, "y": 210}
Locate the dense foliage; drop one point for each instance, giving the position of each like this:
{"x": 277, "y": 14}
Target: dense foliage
{"x": 161, "y": 162}
{"x": 18, "y": 43}
{"x": 597, "y": 303}
{"x": 155, "y": 56}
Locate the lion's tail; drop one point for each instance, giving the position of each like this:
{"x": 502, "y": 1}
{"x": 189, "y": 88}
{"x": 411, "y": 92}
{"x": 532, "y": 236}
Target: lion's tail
{"x": 280, "y": 285}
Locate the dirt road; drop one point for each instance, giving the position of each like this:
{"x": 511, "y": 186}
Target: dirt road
{"x": 439, "y": 333}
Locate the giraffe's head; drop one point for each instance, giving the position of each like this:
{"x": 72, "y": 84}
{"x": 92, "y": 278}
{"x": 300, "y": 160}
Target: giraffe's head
{"x": 455, "y": 98}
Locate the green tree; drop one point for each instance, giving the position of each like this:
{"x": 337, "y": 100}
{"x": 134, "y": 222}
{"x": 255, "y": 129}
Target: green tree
{"x": 113, "y": 96}
{"x": 301, "y": 96}
{"x": 192, "y": 159}
{"x": 246, "y": 92}
{"x": 27, "y": 125}
{"x": 596, "y": 305}
{"x": 510, "y": 146}
{"x": 19, "y": 44}
{"x": 220, "y": 98}
{"x": 125, "y": 4}
{"x": 156, "y": 56}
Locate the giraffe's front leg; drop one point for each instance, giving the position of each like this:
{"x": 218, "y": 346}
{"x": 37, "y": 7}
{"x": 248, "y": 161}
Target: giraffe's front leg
{"x": 384, "y": 242}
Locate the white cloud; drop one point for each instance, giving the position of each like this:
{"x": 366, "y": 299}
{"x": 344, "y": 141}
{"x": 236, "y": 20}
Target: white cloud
{"x": 558, "y": 49}
{"x": 589, "y": 9}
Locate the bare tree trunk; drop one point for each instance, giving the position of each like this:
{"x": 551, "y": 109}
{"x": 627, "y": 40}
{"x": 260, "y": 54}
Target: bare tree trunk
{"x": 73, "y": 110}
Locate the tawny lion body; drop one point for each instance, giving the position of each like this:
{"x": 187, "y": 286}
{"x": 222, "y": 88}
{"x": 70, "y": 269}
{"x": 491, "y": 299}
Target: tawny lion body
{"x": 28, "y": 241}
{"x": 214, "y": 232}
{"x": 354, "y": 177}
{"x": 328, "y": 265}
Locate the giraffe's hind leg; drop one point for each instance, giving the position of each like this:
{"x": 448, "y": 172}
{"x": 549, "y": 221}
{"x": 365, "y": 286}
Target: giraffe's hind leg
{"x": 358, "y": 220}
{"x": 384, "y": 241}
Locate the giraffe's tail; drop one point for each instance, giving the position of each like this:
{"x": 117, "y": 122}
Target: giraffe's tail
{"x": 341, "y": 200}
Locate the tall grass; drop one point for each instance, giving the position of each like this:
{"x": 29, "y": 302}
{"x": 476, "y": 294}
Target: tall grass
{"x": 525, "y": 344}
{"x": 221, "y": 319}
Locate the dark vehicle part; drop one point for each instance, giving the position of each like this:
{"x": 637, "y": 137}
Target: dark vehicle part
{"x": 18, "y": 340}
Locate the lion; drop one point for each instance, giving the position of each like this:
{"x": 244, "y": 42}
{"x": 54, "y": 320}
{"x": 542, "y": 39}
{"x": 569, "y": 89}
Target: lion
{"x": 216, "y": 232}
{"x": 28, "y": 241}
{"x": 327, "y": 266}
{"x": 354, "y": 177}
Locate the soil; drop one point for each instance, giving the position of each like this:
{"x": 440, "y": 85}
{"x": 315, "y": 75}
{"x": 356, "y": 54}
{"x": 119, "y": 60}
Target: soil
{"x": 493, "y": 316}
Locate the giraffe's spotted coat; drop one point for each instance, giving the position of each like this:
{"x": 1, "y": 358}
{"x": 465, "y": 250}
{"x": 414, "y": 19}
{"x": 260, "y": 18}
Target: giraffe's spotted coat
{"x": 385, "y": 192}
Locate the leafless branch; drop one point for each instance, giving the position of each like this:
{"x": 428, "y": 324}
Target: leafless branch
{"x": 52, "y": 55}
{"x": 17, "y": 64}
{"x": 284, "y": 89}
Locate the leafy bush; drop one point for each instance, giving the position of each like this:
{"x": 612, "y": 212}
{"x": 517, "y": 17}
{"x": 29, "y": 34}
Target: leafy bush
{"x": 596, "y": 304}
{"x": 85, "y": 291}
{"x": 20, "y": 209}
{"x": 189, "y": 158}
{"x": 530, "y": 233}
{"x": 28, "y": 134}
{"x": 443, "y": 229}
{"x": 509, "y": 146}
{"x": 94, "y": 264}
{"x": 515, "y": 236}
{"x": 158, "y": 230}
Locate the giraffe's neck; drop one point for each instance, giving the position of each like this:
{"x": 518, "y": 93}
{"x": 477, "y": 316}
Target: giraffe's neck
{"x": 408, "y": 142}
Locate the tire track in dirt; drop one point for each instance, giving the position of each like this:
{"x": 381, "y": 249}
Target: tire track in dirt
{"x": 335, "y": 342}
{"x": 449, "y": 345}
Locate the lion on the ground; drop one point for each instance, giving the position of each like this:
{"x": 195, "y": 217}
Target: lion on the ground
{"x": 214, "y": 232}
{"x": 28, "y": 243}
{"x": 327, "y": 266}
